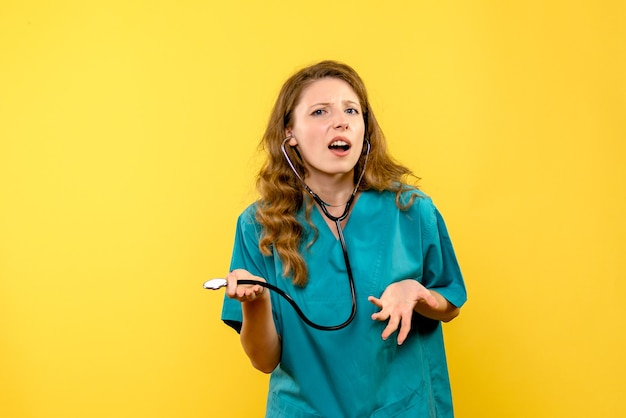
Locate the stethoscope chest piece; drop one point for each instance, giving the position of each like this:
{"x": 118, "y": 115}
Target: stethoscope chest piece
{"x": 215, "y": 284}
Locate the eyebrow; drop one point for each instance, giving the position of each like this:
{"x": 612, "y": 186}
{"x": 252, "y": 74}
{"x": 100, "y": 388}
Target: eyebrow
{"x": 351, "y": 102}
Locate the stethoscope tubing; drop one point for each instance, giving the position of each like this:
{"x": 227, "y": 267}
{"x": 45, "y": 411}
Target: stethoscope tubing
{"x": 337, "y": 220}
{"x": 297, "y": 308}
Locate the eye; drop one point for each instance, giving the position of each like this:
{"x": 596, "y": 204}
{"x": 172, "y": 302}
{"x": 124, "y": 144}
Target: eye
{"x": 352, "y": 111}
{"x": 318, "y": 112}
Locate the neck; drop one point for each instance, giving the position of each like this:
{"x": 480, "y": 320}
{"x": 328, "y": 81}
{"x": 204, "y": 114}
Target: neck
{"x": 335, "y": 192}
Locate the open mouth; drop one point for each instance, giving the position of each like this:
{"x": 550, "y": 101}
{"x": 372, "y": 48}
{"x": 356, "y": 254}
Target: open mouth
{"x": 339, "y": 145}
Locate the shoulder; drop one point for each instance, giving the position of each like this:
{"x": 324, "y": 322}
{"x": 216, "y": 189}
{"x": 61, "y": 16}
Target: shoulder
{"x": 409, "y": 198}
{"x": 416, "y": 206}
{"x": 249, "y": 214}
{"x": 410, "y": 195}
{"x": 247, "y": 222}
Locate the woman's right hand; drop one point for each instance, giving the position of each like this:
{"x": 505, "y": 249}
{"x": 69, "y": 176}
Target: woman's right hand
{"x": 244, "y": 292}
{"x": 258, "y": 335}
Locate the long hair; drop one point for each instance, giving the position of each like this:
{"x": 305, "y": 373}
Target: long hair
{"x": 281, "y": 193}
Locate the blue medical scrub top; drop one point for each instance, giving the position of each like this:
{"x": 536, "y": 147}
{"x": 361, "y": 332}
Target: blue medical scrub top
{"x": 352, "y": 372}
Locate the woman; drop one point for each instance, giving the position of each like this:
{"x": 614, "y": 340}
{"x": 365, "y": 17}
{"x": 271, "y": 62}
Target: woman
{"x": 328, "y": 171}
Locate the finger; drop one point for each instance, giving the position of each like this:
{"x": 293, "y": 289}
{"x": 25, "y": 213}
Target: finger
{"x": 247, "y": 293}
{"x": 231, "y": 284}
{"x": 244, "y": 292}
{"x": 391, "y": 327}
{"x": 381, "y": 315}
{"x": 255, "y": 292}
{"x": 405, "y": 327}
{"x": 259, "y": 290}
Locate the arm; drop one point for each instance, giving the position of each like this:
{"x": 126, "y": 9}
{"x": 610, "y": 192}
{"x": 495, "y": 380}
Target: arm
{"x": 444, "y": 311}
{"x": 258, "y": 336}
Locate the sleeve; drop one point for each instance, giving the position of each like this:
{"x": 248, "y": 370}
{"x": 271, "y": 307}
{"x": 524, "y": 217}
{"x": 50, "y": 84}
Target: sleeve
{"x": 246, "y": 255}
{"x": 441, "y": 271}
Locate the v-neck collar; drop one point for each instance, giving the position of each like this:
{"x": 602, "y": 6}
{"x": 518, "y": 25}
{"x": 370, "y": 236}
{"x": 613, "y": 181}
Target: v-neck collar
{"x": 331, "y": 226}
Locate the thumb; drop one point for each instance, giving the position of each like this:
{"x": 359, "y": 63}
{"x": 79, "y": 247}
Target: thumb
{"x": 430, "y": 300}
{"x": 375, "y": 301}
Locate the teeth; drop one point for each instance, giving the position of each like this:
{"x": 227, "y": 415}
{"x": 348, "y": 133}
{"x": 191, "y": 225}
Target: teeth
{"x": 339, "y": 144}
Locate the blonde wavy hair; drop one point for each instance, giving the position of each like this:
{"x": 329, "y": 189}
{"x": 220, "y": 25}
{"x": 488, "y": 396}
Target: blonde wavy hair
{"x": 281, "y": 193}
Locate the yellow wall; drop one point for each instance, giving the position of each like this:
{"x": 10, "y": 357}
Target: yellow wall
{"x": 127, "y": 149}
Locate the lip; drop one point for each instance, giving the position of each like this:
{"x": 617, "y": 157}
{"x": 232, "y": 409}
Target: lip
{"x": 341, "y": 138}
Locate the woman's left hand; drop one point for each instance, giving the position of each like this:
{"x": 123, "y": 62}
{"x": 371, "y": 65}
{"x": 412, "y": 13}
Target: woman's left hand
{"x": 397, "y": 304}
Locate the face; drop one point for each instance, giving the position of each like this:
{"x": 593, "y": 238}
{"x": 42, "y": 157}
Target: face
{"x": 328, "y": 129}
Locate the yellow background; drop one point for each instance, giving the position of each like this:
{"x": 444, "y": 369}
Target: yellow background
{"x": 128, "y": 133}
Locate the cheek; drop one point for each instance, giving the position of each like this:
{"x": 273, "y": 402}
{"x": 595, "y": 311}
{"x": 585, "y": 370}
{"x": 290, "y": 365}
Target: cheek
{"x": 358, "y": 154}
{"x": 309, "y": 131}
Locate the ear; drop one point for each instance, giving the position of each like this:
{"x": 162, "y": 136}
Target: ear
{"x": 293, "y": 141}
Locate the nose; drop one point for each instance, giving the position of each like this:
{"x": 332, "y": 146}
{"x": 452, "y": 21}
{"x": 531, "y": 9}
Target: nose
{"x": 341, "y": 122}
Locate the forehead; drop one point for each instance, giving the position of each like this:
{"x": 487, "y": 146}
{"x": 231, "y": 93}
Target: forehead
{"x": 328, "y": 90}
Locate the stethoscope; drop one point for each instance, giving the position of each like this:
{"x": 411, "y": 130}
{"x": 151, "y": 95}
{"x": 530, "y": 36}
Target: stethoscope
{"x": 215, "y": 284}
